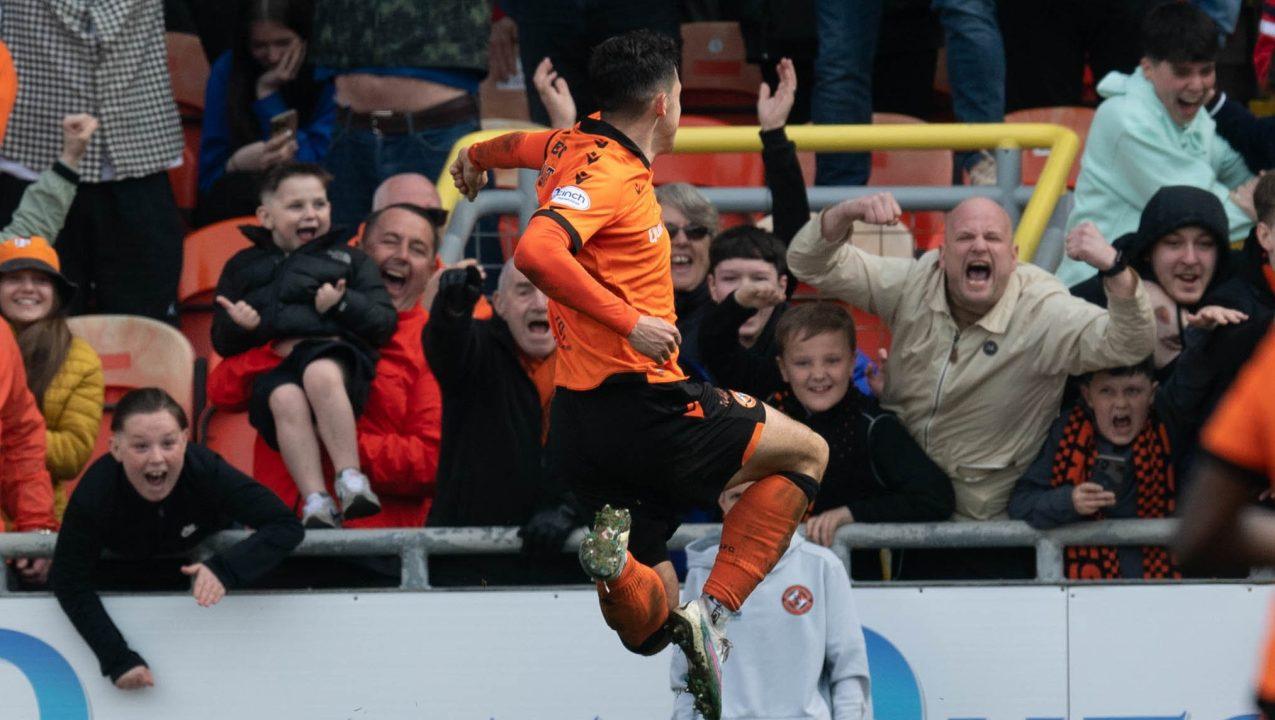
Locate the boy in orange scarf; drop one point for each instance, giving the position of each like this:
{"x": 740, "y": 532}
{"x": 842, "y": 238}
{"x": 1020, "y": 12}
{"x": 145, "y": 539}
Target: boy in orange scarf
{"x": 1109, "y": 456}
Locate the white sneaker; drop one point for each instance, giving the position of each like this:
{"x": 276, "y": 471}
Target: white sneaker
{"x": 355, "y": 493}
{"x": 320, "y": 513}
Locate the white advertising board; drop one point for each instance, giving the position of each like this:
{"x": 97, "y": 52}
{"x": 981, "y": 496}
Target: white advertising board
{"x": 1003, "y": 653}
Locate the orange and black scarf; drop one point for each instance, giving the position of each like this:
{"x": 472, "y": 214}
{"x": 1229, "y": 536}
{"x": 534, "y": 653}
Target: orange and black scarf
{"x": 1156, "y": 494}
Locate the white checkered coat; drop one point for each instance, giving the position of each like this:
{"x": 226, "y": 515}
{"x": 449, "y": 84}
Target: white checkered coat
{"x": 104, "y": 57}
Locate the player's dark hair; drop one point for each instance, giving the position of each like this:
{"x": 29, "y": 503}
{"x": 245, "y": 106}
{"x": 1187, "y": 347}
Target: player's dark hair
{"x": 750, "y": 243}
{"x": 144, "y": 401}
{"x": 627, "y": 70}
{"x": 275, "y": 177}
{"x": 1145, "y": 368}
{"x": 436, "y": 218}
{"x": 1264, "y": 199}
{"x": 804, "y": 321}
{"x": 1179, "y": 32}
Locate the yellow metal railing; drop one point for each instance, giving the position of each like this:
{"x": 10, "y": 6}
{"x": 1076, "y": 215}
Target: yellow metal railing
{"x": 1062, "y": 143}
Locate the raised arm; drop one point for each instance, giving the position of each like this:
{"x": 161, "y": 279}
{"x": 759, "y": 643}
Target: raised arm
{"x": 1086, "y": 337}
{"x": 822, "y": 256}
{"x": 790, "y": 206}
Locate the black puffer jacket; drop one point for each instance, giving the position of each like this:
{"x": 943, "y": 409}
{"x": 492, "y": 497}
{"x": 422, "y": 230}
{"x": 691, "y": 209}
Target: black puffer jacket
{"x": 281, "y": 287}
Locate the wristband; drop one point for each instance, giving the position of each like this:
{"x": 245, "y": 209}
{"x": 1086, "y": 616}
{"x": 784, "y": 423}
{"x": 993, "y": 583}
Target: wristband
{"x": 1117, "y": 267}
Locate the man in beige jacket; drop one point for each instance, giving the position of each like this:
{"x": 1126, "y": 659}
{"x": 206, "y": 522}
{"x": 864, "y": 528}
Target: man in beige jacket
{"x": 982, "y": 344}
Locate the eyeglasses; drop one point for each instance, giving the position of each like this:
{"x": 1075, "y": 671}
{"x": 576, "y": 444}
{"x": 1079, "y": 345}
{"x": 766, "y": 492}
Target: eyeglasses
{"x": 693, "y": 232}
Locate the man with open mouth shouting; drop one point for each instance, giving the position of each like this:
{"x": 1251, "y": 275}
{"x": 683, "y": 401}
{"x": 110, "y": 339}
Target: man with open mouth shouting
{"x": 983, "y": 344}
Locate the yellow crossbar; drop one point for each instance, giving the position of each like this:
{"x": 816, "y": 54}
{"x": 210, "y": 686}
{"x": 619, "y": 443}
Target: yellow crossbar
{"x": 1062, "y": 143}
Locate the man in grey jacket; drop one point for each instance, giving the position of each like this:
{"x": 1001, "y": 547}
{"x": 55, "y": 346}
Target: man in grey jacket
{"x": 982, "y": 344}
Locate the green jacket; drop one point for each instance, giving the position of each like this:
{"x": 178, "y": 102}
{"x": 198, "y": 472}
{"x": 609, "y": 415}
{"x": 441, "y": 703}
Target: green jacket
{"x": 449, "y": 34}
{"x": 1134, "y": 149}
{"x": 44, "y": 205}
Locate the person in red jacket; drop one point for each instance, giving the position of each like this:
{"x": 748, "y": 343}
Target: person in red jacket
{"x": 399, "y": 430}
{"x": 26, "y": 491}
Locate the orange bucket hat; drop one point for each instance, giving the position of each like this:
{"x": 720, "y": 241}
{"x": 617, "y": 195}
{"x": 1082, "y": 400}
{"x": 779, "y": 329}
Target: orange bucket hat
{"x": 35, "y": 253}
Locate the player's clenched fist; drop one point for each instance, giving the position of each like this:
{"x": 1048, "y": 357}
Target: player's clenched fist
{"x": 1086, "y": 244}
{"x": 655, "y": 338}
{"x": 466, "y": 176}
{"x": 243, "y": 314}
{"x": 877, "y": 209}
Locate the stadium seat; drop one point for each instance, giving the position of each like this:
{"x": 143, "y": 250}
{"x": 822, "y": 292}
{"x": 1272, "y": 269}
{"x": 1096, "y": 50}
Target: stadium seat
{"x": 716, "y": 77}
{"x": 712, "y": 169}
{"x": 137, "y": 352}
{"x": 204, "y": 254}
{"x": 187, "y": 72}
{"x": 1077, "y": 118}
{"x": 229, "y": 435}
{"x": 185, "y": 177}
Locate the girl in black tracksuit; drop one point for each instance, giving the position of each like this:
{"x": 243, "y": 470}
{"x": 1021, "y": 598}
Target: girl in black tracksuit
{"x": 154, "y": 496}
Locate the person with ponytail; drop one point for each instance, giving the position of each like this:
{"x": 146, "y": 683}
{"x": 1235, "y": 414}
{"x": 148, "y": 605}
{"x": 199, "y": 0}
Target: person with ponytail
{"x": 266, "y": 75}
{"x": 63, "y": 372}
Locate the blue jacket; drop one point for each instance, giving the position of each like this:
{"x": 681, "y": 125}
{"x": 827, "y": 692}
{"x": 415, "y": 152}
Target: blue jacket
{"x": 1251, "y": 136}
{"x": 215, "y": 144}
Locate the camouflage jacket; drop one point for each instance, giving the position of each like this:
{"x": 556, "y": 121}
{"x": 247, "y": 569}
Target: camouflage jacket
{"x": 402, "y": 33}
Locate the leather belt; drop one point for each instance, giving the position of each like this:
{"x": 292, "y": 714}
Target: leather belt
{"x": 390, "y": 122}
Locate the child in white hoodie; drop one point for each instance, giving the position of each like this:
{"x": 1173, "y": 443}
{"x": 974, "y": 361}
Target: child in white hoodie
{"x": 797, "y": 645}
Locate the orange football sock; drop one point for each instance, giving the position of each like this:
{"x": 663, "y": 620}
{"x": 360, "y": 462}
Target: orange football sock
{"x": 634, "y": 604}
{"x": 755, "y": 534}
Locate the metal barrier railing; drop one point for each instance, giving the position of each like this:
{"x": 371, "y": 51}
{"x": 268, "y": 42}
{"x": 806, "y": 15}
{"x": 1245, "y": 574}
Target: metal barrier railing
{"x": 1030, "y": 208}
{"x": 415, "y": 545}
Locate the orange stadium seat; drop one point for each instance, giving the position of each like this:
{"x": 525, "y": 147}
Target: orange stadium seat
{"x": 137, "y": 352}
{"x": 187, "y": 73}
{"x": 913, "y": 167}
{"x": 204, "y": 254}
{"x": 185, "y": 177}
{"x": 711, "y": 170}
{"x": 716, "y": 78}
{"x": 229, "y": 435}
{"x": 1077, "y": 118}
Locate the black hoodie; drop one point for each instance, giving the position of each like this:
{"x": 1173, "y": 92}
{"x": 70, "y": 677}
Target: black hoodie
{"x": 1172, "y": 207}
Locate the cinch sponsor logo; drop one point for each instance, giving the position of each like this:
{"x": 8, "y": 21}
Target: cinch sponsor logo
{"x": 58, "y": 693}
{"x": 572, "y": 197}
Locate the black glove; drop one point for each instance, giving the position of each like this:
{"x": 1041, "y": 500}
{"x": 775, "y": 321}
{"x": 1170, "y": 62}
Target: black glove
{"x": 460, "y": 289}
{"x": 547, "y": 530}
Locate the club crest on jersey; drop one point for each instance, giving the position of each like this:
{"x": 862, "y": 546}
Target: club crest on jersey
{"x": 654, "y": 233}
{"x": 745, "y": 400}
{"x": 571, "y": 196}
{"x": 798, "y": 600}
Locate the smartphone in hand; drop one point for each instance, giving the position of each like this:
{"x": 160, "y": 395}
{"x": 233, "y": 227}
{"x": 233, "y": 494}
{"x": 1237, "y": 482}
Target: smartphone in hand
{"x": 1110, "y": 471}
{"x": 285, "y": 121}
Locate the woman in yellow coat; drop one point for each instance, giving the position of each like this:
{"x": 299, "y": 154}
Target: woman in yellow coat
{"x": 62, "y": 371}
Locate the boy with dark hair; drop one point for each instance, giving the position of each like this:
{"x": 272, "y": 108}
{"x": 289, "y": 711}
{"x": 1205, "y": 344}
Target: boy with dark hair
{"x": 876, "y": 471}
{"x": 640, "y": 436}
{"x": 322, "y": 306}
{"x": 747, "y": 279}
{"x": 1151, "y": 132}
{"x": 1110, "y": 456}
